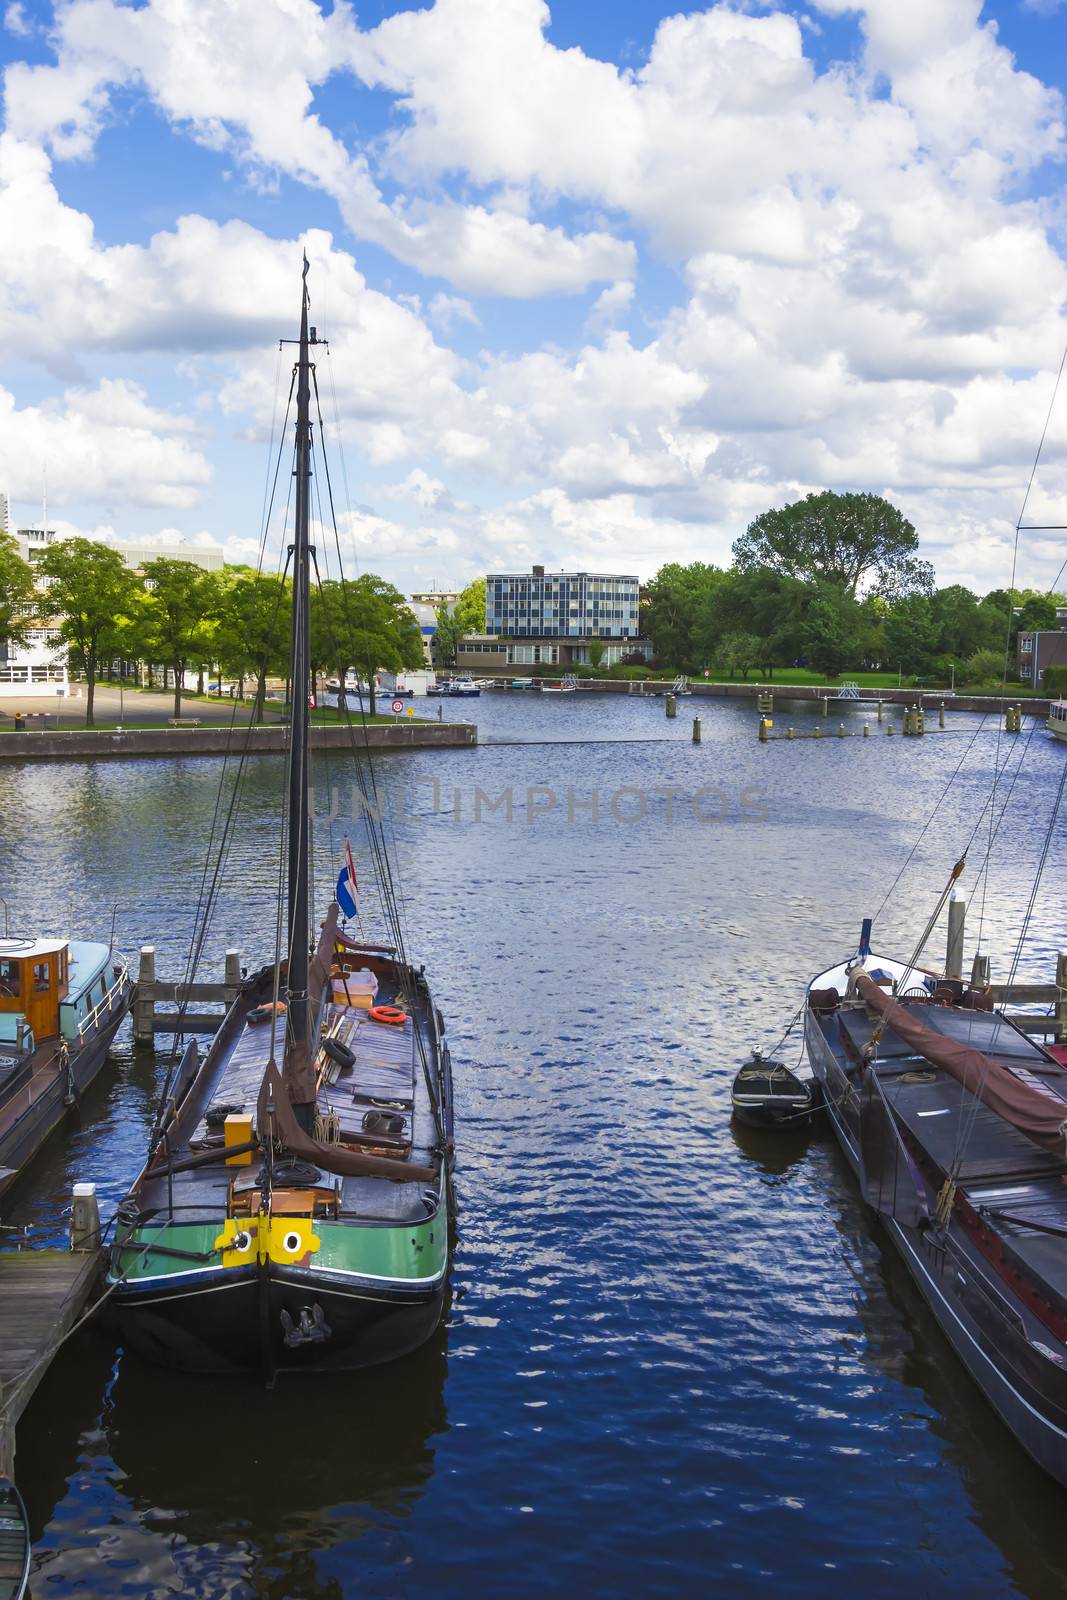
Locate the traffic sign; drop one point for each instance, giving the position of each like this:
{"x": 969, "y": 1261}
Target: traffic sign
{"x": 398, "y": 706}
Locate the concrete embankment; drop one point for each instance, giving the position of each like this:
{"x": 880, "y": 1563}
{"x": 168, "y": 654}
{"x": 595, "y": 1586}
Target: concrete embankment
{"x": 130, "y": 743}
{"x": 814, "y": 693}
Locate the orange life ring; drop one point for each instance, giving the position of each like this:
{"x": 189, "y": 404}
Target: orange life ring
{"x": 390, "y": 1014}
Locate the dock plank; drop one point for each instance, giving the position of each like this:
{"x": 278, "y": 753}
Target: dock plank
{"x": 42, "y": 1295}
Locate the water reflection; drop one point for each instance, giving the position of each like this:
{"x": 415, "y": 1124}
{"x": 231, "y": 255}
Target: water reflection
{"x": 207, "y": 1487}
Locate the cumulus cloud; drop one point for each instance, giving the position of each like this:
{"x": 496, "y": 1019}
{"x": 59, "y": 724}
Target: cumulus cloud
{"x": 98, "y": 444}
{"x": 862, "y": 292}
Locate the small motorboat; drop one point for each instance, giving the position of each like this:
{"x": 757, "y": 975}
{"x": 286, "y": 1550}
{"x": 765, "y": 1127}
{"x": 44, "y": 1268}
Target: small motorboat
{"x": 768, "y": 1094}
{"x": 14, "y": 1543}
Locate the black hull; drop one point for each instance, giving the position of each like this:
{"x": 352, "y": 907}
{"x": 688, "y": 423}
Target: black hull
{"x": 238, "y": 1327}
{"x": 22, "y": 1142}
{"x": 1028, "y": 1391}
{"x": 765, "y": 1094}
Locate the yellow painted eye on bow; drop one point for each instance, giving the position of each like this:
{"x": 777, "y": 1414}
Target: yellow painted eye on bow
{"x": 291, "y": 1239}
{"x": 237, "y": 1241}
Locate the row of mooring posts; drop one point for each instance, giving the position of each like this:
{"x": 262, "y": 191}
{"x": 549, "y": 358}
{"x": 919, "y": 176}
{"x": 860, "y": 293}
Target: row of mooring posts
{"x": 913, "y": 727}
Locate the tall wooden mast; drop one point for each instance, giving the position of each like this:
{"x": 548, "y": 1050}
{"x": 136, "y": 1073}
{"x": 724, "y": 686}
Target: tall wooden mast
{"x": 298, "y": 1075}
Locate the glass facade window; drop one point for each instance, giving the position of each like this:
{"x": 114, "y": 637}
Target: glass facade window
{"x": 538, "y": 605}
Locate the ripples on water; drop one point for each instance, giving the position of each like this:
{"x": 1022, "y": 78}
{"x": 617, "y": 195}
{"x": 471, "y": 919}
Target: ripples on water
{"x": 677, "y": 1360}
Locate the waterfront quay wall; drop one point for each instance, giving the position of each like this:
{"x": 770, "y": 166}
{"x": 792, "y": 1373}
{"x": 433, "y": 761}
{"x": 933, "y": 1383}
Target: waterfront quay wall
{"x": 810, "y": 693}
{"x": 82, "y": 742}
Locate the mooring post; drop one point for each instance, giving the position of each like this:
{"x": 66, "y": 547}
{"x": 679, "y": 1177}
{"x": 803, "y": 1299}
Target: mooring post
{"x": 1061, "y": 998}
{"x": 144, "y": 1006}
{"x": 879, "y": 711}
{"x": 84, "y": 1218}
{"x": 763, "y": 730}
{"x": 826, "y": 705}
{"x": 957, "y": 917}
{"x": 980, "y": 974}
{"x": 840, "y": 730}
{"x": 696, "y": 730}
{"x": 232, "y": 979}
{"x": 941, "y": 715}
{"x": 920, "y": 720}
{"x": 866, "y": 730}
{"x": 818, "y": 731}
{"x": 889, "y": 729}
{"x": 790, "y": 733}
{"x": 672, "y": 706}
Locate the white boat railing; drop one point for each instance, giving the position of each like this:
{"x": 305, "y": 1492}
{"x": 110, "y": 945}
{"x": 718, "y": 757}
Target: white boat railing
{"x": 106, "y": 1005}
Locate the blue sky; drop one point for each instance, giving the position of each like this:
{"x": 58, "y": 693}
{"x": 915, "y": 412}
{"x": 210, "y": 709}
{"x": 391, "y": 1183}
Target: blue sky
{"x": 602, "y": 282}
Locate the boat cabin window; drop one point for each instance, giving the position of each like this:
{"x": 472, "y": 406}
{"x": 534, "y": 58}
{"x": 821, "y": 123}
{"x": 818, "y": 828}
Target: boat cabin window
{"x": 10, "y": 988}
{"x": 42, "y": 977}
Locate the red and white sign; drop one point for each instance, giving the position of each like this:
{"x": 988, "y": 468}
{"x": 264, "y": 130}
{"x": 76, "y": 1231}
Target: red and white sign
{"x": 398, "y": 706}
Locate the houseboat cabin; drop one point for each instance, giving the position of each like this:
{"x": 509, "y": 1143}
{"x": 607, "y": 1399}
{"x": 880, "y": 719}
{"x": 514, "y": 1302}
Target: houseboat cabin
{"x": 48, "y": 989}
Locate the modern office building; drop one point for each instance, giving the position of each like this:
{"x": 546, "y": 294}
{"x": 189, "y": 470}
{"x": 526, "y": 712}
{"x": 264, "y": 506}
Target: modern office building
{"x": 542, "y": 618}
{"x": 1047, "y": 648}
{"x": 4, "y": 528}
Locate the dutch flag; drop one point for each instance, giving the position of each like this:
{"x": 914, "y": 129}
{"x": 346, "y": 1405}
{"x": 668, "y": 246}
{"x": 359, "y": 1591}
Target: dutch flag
{"x": 348, "y": 885}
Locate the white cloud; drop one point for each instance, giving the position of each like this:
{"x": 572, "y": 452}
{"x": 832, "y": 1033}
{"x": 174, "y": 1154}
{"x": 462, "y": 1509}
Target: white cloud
{"x": 206, "y": 65}
{"x": 97, "y": 445}
{"x": 15, "y": 20}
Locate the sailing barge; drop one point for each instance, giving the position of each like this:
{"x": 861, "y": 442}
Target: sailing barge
{"x": 294, "y": 1210}
{"x": 954, "y": 1121}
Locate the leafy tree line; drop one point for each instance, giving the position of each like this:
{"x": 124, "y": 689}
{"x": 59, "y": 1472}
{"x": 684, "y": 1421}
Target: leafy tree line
{"x": 177, "y": 618}
{"x": 833, "y": 582}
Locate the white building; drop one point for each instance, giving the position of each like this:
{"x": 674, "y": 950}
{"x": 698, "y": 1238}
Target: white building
{"x": 3, "y": 514}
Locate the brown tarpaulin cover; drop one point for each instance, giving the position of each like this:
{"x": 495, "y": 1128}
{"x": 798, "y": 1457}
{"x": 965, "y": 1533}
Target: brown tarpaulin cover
{"x": 330, "y": 1157}
{"x": 1037, "y": 1112}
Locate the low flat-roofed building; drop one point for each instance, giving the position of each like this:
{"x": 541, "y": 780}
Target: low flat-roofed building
{"x": 1040, "y": 650}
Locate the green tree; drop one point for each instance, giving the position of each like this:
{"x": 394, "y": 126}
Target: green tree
{"x": 845, "y": 538}
{"x": 739, "y": 653}
{"x": 254, "y": 621}
{"x": 833, "y": 629}
{"x": 447, "y": 634}
{"x": 373, "y": 629}
{"x": 178, "y": 603}
{"x": 957, "y": 620}
{"x": 91, "y": 588}
{"x": 911, "y": 635}
{"x": 17, "y": 593}
{"x": 470, "y": 608}
{"x": 672, "y": 606}
{"x": 596, "y": 653}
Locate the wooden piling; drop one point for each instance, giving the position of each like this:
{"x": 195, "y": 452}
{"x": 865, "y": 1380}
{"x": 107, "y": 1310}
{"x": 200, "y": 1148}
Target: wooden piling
{"x": 672, "y": 706}
{"x": 232, "y": 978}
{"x": 980, "y": 973}
{"x": 879, "y": 711}
{"x": 763, "y": 730}
{"x": 826, "y": 705}
{"x": 941, "y": 715}
{"x": 144, "y": 1005}
{"x": 696, "y": 730}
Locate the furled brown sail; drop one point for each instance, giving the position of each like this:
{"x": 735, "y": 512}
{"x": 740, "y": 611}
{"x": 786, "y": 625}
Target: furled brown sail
{"x": 1034, "y": 1110}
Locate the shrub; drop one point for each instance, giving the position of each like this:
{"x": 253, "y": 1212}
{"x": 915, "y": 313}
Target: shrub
{"x": 1054, "y": 680}
{"x": 985, "y": 666}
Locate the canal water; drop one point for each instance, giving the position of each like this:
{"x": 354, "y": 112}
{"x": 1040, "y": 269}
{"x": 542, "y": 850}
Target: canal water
{"x": 679, "y": 1358}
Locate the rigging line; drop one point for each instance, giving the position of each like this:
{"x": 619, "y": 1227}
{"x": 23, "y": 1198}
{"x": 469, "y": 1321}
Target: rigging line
{"x": 987, "y": 863}
{"x": 937, "y": 806}
{"x": 1014, "y": 570}
{"x": 208, "y": 905}
{"x": 387, "y": 883}
{"x": 384, "y": 867}
{"x": 341, "y": 454}
{"x": 264, "y": 513}
{"x": 197, "y": 939}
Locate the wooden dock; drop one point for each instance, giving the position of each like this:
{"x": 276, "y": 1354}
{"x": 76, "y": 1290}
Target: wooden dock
{"x": 42, "y": 1295}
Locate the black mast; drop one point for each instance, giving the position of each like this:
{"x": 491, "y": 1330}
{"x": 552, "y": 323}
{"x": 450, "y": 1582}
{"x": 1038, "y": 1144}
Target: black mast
{"x": 297, "y": 1029}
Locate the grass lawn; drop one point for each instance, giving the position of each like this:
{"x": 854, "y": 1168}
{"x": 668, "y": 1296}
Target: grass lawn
{"x": 802, "y": 676}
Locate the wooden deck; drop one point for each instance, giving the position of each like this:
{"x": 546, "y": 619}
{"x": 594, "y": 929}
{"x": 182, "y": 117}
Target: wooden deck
{"x": 42, "y": 1294}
